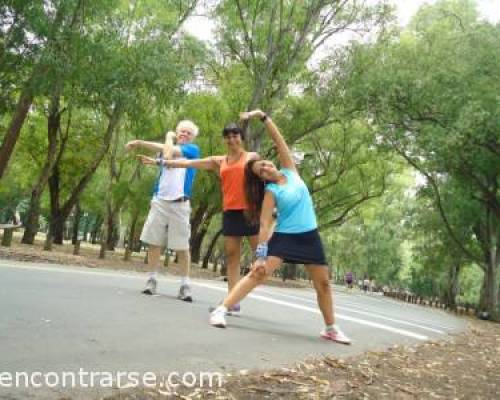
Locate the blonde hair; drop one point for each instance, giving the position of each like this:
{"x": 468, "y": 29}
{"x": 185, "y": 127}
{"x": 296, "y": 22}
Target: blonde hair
{"x": 188, "y": 125}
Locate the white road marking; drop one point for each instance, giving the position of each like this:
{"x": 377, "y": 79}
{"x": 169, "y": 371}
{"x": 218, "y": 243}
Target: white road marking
{"x": 349, "y": 305}
{"x": 373, "y": 315}
{"x": 316, "y": 311}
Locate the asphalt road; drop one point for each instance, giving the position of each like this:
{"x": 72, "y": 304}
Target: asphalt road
{"x": 55, "y": 318}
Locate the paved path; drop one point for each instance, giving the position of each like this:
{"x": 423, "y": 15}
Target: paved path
{"x": 55, "y": 318}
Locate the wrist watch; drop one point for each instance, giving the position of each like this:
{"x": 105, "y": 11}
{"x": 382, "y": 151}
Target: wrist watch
{"x": 264, "y": 117}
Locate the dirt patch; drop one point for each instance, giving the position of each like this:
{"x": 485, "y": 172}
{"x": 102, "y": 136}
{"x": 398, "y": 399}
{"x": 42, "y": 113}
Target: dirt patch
{"x": 466, "y": 366}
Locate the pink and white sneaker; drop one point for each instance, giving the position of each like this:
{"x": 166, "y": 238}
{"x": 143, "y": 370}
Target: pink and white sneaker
{"x": 335, "y": 336}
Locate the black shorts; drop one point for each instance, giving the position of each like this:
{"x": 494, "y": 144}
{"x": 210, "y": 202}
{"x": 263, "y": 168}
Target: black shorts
{"x": 234, "y": 223}
{"x": 298, "y": 248}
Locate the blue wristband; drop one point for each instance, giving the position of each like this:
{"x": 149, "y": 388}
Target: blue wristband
{"x": 261, "y": 250}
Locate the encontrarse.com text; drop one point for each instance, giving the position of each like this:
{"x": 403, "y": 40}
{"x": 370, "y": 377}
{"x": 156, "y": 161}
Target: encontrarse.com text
{"x": 118, "y": 379}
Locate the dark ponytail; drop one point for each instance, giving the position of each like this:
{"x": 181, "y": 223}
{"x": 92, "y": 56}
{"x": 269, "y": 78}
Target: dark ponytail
{"x": 254, "y": 193}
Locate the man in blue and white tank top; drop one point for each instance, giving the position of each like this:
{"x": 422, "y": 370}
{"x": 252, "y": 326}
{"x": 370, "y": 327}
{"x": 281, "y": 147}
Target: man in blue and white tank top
{"x": 168, "y": 223}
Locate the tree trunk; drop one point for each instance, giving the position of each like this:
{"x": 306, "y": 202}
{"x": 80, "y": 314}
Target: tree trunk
{"x": 86, "y": 227}
{"x": 110, "y": 230}
{"x": 53, "y": 128}
{"x": 76, "y": 223}
{"x": 60, "y": 214}
{"x": 489, "y": 292}
{"x": 290, "y": 271}
{"x": 199, "y": 228}
{"x": 196, "y": 235}
{"x": 102, "y": 250}
{"x": 215, "y": 262}
{"x": 131, "y": 235}
{"x": 48, "y": 239}
{"x": 58, "y": 229}
{"x": 31, "y": 224}
{"x": 15, "y": 125}
{"x": 27, "y": 93}
{"x": 453, "y": 289}
{"x": 96, "y": 229}
{"x": 76, "y": 248}
{"x": 210, "y": 249}
{"x": 7, "y": 237}
{"x": 196, "y": 243}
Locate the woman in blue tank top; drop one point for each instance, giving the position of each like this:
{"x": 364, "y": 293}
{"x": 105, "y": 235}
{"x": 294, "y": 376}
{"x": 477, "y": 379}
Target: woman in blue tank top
{"x": 295, "y": 238}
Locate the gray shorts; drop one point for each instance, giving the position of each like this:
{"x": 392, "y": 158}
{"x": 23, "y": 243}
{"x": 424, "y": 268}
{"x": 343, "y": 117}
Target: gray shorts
{"x": 168, "y": 224}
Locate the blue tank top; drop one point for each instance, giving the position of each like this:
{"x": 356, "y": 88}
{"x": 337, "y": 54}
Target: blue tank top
{"x": 294, "y": 204}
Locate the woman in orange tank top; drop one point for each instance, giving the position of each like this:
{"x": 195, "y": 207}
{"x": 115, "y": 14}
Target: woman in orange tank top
{"x": 231, "y": 169}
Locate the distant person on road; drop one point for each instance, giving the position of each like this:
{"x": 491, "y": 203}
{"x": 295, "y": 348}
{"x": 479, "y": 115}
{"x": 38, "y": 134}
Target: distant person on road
{"x": 296, "y": 238}
{"x": 349, "y": 279}
{"x": 366, "y": 284}
{"x": 168, "y": 220}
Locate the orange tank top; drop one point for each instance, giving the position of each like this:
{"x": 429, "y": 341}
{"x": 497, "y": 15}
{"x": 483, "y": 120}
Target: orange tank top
{"x": 233, "y": 183}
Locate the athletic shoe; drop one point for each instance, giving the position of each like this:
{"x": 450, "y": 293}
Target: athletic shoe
{"x": 335, "y": 336}
{"x": 185, "y": 293}
{"x": 150, "y": 286}
{"x": 234, "y": 311}
{"x": 218, "y": 318}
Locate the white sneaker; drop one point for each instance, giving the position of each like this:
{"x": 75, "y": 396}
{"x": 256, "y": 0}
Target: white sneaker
{"x": 185, "y": 293}
{"x": 150, "y": 286}
{"x": 218, "y": 318}
{"x": 234, "y": 311}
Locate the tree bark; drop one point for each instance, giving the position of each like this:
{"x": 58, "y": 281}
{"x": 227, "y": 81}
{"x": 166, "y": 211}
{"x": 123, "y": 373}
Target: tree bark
{"x": 86, "y": 227}
{"x": 102, "y": 251}
{"x": 76, "y": 223}
{"x": 210, "y": 249}
{"x": 111, "y": 229}
{"x": 95, "y": 230}
{"x": 7, "y": 237}
{"x": 53, "y": 129}
{"x": 14, "y": 129}
{"x": 131, "y": 236}
{"x": 61, "y": 213}
{"x": 489, "y": 291}
{"x": 199, "y": 228}
{"x": 28, "y": 92}
{"x": 56, "y": 229}
{"x": 453, "y": 288}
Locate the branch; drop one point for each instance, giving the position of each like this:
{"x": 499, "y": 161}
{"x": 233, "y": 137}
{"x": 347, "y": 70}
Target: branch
{"x": 439, "y": 203}
{"x": 341, "y": 218}
{"x": 113, "y": 122}
{"x": 248, "y": 40}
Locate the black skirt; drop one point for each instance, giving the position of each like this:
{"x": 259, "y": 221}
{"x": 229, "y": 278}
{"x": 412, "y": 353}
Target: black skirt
{"x": 298, "y": 248}
{"x": 234, "y": 223}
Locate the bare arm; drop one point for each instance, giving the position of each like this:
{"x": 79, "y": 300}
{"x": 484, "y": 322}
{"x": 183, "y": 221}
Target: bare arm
{"x": 145, "y": 145}
{"x": 284, "y": 154}
{"x": 169, "y": 148}
{"x": 208, "y": 163}
{"x": 265, "y": 231}
{"x": 266, "y": 218}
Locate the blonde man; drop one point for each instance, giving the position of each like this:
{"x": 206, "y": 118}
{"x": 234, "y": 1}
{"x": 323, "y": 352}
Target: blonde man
{"x": 169, "y": 215}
